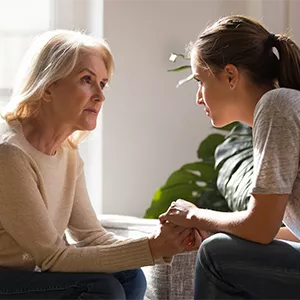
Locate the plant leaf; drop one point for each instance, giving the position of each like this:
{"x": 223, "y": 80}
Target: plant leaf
{"x": 207, "y": 147}
{"x": 212, "y": 199}
{"x": 164, "y": 196}
{"x": 238, "y": 139}
{"x": 205, "y": 169}
{"x": 186, "y": 183}
{"x": 234, "y": 160}
{"x": 181, "y": 68}
{"x": 182, "y": 81}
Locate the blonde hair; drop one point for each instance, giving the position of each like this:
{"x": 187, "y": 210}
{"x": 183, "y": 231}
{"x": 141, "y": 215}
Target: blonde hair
{"x": 52, "y": 56}
{"x": 248, "y": 45}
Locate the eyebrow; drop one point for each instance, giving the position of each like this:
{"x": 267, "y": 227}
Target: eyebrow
{"x": 92, "y": 73}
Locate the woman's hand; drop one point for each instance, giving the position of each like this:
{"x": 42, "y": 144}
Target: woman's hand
{"x": 169, "y": 239}
{"x": 197, "y": 237}
{"x": 182, "y": 213}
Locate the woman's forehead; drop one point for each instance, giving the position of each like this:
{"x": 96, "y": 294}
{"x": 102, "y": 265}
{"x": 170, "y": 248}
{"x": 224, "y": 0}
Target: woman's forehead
{"x": 92, "y": 62}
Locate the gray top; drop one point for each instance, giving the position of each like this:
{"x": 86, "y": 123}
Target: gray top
{"x": 276, "y": 146}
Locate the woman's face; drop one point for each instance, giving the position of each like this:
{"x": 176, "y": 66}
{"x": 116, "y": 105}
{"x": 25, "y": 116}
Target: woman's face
{"x": 214, "y": 94}
{"x": 77, "y": 99}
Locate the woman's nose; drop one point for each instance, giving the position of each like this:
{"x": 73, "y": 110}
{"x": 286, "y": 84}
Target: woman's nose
{"x": 98, "y": 95}
{"x": 99, "y": 98}
{"x": 199, "y": 99}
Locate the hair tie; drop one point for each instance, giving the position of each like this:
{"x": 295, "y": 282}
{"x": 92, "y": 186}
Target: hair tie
{"x": 272, "y": 39}
{"x": 270, "y": 43}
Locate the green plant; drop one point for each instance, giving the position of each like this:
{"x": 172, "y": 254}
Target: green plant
{"x": 234, "y": 161}
{"x": 220, "y": 179}
{"x": 195, "y": 182}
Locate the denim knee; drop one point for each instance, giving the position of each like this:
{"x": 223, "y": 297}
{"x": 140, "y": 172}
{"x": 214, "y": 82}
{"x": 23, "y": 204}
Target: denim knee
{"x": 140, "y": 279}
{"x": 212, "y": 249}
{"x": 134, "y": 283}
{"x": 113, "y": 288}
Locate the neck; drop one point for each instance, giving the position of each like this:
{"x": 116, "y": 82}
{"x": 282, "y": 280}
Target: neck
{"x": 249, "y": 102}
{"x": 44, "y": 135}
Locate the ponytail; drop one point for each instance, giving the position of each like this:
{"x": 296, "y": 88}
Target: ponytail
{"x": 289, "y": 63}
{"x": 228, "y": 42}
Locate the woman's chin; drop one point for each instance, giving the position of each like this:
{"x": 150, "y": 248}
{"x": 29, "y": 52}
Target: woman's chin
{"x": 220, "y": 123}
{"x": 89, "y": 126}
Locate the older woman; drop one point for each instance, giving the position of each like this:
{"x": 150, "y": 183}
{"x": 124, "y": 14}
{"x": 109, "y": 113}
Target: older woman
{"x": 56, "y": 100}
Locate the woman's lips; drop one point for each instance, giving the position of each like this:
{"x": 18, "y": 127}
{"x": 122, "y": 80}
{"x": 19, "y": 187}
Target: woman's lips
{"x": 92, "y": 111}
{"x": 206, "y": 111}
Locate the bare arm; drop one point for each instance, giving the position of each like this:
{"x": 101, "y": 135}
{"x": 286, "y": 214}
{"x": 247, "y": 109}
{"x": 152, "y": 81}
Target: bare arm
{"x": 259, "y": 223}
{"x": 285, "y": 234}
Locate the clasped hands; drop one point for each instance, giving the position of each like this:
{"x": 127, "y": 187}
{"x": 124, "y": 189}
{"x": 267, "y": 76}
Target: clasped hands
{"x": 177, "y": 231}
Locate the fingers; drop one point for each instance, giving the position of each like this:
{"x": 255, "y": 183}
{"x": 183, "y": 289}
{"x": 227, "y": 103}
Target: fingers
{"x": 171, "y": 215}
{"x": 162, "y": 218}
{"x": 197, "y": 241}
{"x": 180, "y": 212}
{"x": 185, "y": 236}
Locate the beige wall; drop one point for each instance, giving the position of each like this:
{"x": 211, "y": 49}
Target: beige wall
{"x": 150, "y": 128}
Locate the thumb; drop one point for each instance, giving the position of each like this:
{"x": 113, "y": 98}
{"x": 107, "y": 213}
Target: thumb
{"x": 162, "y": 218}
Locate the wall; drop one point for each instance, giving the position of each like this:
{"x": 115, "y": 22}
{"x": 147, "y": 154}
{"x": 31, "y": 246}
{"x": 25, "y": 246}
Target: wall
{"x": 150, "y": 128}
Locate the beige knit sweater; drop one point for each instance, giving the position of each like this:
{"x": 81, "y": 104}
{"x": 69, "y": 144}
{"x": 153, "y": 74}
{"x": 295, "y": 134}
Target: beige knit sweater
{"x": 40, "y": 197}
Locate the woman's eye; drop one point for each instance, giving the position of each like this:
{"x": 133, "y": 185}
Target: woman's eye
{"x": 102, "y": 85}
{"x": 87, "y": 79}
{"x": 199, "y": 82}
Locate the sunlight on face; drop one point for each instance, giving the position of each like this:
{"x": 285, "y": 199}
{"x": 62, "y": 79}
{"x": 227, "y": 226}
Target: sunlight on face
{"x": 193, "y": 62}
{"x": 77, "y": 99}
{"x": 212, "y": 93}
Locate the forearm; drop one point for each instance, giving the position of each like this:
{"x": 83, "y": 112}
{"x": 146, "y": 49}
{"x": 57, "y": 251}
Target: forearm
{"x": 285, "y": 234}
{"x": 242, "y": 224}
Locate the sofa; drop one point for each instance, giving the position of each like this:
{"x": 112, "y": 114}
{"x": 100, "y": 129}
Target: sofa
{"x": 164, "y": 282}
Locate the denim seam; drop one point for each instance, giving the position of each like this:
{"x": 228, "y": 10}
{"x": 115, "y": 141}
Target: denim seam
{"x": 262, "y": 270}
{"x": 29, "y": 290}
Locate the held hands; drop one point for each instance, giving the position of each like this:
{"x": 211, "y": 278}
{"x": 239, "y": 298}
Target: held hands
{"x": 170, "y": 239}
{"x": 178, "y": 230}
{"x": 181, "y": 213}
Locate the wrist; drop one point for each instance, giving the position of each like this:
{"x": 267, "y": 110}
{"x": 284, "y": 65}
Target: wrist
{"x": 154, "y": 249}
{"x": 195, "y": 219}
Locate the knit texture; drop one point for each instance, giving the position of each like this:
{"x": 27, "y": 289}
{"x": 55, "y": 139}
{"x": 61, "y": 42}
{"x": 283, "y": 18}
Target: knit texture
{"x": 42, "y": 196}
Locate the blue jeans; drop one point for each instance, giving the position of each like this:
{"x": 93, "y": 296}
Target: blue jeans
{"x": 228, "y": 267}
{"x": 124, "y": 285}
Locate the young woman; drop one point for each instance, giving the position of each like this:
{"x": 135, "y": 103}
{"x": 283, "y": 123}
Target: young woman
{"x": 248, "y": 74}
{"x": 58, "y": 95}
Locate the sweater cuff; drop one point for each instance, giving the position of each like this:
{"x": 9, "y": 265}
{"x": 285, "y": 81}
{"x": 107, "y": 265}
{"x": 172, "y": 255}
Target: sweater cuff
{"x": 163, "y": 260}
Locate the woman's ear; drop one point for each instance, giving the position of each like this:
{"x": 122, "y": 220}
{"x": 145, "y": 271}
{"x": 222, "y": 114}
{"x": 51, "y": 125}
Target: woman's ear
{"x": 47, "y": 96}
{"x": 232, "y": 75}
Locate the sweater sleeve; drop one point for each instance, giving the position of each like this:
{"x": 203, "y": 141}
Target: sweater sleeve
{"x": 84, "y": 226}
{"x": 24, "y": 216}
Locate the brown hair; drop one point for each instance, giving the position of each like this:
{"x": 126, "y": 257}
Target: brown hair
{"x": 245, "y": 43}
